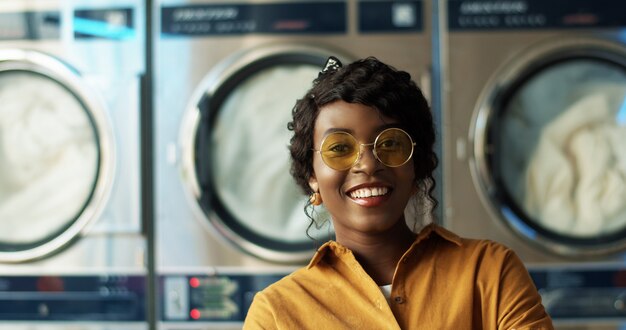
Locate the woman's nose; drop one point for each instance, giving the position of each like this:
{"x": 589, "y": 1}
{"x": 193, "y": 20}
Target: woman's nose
{"x": 367, "y": 161}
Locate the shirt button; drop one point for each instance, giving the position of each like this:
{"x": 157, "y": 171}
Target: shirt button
{"x": 398, "y": 300}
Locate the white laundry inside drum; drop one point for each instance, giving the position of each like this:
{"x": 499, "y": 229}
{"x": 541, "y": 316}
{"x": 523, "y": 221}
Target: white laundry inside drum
{"x": 48, "y": 157}
{"x": 251, "y": 157}
{"x": 565, "y": 161}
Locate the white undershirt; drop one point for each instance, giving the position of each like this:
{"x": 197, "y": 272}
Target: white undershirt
{"x": 386, "y": 290}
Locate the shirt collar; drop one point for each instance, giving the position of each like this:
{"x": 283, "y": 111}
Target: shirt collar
{"x": 424, "y": 234}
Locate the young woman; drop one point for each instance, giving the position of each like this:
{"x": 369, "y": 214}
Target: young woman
{"x": 362, "y": 146}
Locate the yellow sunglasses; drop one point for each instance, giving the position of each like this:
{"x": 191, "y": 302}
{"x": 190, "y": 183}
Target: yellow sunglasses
{"x": 340, "y": 150}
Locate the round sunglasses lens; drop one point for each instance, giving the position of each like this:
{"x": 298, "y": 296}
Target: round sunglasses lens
{"x": 394, "y": 147}
{"x": 339, "y": 150}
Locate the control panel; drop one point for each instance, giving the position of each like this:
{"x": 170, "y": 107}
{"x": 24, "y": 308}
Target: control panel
{"x": 73, "y": 297}
{"x": 210, "y": 297}
{"x": 583, "y": 293}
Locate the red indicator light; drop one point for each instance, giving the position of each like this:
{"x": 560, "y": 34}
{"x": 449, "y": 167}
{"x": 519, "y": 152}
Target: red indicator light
{"x": 195, "y": 314}
{"x": 194, "y": 282}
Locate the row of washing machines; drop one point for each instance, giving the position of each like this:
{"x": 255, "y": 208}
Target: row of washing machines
{"x": 182, "y": 206}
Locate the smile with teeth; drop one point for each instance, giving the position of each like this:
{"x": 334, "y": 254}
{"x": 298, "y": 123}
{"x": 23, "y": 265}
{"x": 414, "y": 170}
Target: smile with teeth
{"x": 369, "y": 192}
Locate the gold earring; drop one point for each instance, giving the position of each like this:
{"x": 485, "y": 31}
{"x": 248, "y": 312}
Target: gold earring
{"x": 315, "y": 199}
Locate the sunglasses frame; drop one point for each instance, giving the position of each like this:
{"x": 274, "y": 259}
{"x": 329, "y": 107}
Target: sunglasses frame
{"x": 360, "y": 154}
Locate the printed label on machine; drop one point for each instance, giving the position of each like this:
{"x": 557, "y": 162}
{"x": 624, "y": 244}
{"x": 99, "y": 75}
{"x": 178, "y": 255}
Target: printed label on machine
{"x": 236, "y": 19}
{"x": 533, "y": 14}
{"x": 30, "y": 25}
{"x": 115, "y": 24}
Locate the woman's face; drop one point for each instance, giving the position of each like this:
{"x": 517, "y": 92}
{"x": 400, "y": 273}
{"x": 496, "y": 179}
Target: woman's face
{"x": 342, "y": 191}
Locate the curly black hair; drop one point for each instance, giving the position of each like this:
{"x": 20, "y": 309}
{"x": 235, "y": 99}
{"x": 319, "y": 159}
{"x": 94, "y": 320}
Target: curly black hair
{"x": 375, "y": 84}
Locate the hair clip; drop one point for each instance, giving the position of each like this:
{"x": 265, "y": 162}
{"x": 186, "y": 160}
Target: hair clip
{"x": 332, "y": 64}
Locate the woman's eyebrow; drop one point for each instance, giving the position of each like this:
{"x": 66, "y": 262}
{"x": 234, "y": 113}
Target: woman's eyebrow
{"x": 390, "y": 125}
{"x": 379, "y": 129}
{"x": 338, "y": 129}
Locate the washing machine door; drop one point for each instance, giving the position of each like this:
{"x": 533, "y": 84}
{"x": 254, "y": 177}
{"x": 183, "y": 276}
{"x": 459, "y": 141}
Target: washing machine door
{"x": 238, "y": 157}
{"x": 54, "y": 155}
{"x": 549, "y": 146}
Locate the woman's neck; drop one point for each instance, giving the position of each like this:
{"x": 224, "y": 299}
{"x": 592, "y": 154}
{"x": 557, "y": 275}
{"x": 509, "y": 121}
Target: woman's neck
{"x": 379, "y": 253}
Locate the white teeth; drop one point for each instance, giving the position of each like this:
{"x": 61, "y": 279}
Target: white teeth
{"x": 369, "y": 192}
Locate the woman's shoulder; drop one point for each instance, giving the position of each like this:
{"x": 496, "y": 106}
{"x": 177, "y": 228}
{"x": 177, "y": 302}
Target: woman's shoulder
{"x": 469, "y": 244}
{"x": 486, "y": 246}
{"x": 275, "y": 299}
{"x": 289, "y": 284}
{"x": 466, "y": 249}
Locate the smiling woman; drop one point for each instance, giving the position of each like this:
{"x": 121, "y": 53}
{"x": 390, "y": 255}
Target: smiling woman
{"x": 352, "y": 195}
{"x": 362, "y": 146}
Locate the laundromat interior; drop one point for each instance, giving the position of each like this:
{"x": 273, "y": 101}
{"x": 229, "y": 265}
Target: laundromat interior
{"x": 144, "y": 173}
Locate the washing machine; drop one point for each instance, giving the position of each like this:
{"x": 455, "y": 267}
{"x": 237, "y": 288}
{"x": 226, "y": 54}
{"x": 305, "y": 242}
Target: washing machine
{"x": 534, "y": 117}
{"x": 72, "y": 248}
{"x": 229, "y": 218}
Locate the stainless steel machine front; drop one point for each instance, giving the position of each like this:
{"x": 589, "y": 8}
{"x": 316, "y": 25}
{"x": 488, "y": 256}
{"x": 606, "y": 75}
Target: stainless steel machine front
{"x": 534, "y": 115}
{"x": 71, "y": 244}
{"x": 229, "y": 216}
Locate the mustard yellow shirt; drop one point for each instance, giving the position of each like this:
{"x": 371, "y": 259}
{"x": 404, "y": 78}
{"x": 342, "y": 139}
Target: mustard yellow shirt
{"x": 441, "y": 282}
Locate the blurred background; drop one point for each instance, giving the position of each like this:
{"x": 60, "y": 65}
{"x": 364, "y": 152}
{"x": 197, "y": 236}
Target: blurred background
{"x": 144, "y": 170}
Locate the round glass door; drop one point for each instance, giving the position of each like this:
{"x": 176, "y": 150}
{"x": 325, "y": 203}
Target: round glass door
{"x": 554, "y": 147}
{"x": 49, "y": 159}
{"x": 242, "y": 158}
